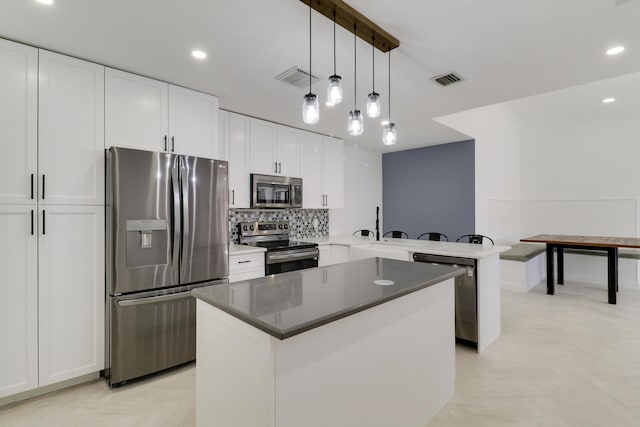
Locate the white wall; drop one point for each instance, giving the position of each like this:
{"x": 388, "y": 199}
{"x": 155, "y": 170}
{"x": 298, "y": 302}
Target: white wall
{"x": 581, "y": 177}
{"x": 362, "y": 192}
{"x": 497, "y": 150}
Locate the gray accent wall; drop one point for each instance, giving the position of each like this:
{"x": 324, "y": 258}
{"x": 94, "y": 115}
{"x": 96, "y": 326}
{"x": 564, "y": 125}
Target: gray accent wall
{"x": 430, "y": 189}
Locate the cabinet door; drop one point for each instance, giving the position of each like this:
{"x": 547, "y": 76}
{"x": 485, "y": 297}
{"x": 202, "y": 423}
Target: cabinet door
{"x": 311, "y": 170}
{"x": 223, "y": 134}
{"x": 70, "y": 131}
{"x": 71, "y": 292}
{"x": 19, "y": 300}
{"x": 18, "y": 122}
{"x": 324, "y": 256}
{"x": 238, "y": 173}
{"x": 136, "y": 111}
{"x": 333, "y": 173}
{"x": 287, "y": 151}
{"x": 262, "y": 147}
{"x": 193, "y": 123}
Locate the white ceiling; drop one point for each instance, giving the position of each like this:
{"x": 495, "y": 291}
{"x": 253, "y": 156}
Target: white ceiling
{"x": 504, "y": 49}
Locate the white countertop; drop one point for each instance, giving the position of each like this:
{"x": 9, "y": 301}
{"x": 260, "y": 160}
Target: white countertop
{"x": 235, "y": 249}
{"x": 465, "y": 250}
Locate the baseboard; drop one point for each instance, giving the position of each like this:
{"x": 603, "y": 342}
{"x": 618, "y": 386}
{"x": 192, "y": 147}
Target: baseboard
{"x": 18, "y": 397}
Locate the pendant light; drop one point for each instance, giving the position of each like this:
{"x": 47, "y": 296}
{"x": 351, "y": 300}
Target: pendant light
{"x": 373, "y": 101}
{"x": 355, "y": 125}
{"x": 389, "y": 133}
{"x": 334, "y": 91}
{"x": 310, "y": 104}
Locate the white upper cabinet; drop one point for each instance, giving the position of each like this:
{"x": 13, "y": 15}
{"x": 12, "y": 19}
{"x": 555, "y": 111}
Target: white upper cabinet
{"x": 274, "y": 149}
{"x": 311, "y": 155}
{"x": 288, "y": 151}
{"x": 333, "y": 173}
{"x": 262, "y": 147}
{"x": 223, "y": 134}
{"x": 193, "y": 123}
{"x": 70, "y": 131}
{"x": 152, "y": 115}
{"x": 71, "y": 292}
{"x": 136, "y": 111}
{"x": 322, "y": 170}
{"x": 19, "y": 301}
{"x": 234, "y": 137}
{"x": 18, "y": 122}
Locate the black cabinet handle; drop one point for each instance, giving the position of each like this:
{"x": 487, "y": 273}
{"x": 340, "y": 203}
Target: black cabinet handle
{"x": 31, "y": 186}
{"x": 275, "y": 167}
{"x": 32, "y": 222}
{"x": 244, "y": 262}
{"x": 165, "y": 143}
{"x": 173, "y": 144}
{"x": 233, "y": 197}
{"x": 44, "y": 225}
{"x": 43, "y": 186}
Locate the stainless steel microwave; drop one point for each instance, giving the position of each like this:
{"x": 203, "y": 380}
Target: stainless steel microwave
{"x": 270, "y": 191}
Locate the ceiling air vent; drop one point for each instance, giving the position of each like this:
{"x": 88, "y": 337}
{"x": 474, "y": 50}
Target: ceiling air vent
{"x": 297, "y": 77}
{"x": 447, "y": 79}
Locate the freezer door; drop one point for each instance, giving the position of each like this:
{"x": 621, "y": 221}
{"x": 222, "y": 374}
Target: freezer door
{"x": 151, "y": 331}
{"x": 144, "y": 221}
{"x": 205, "y": 220}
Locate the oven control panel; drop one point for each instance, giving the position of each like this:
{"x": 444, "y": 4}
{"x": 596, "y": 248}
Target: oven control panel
{"x": 263, "y": 228}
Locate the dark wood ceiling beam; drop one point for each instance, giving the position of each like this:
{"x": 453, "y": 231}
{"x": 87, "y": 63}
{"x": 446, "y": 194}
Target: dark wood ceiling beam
{"x": 349, "y": 18}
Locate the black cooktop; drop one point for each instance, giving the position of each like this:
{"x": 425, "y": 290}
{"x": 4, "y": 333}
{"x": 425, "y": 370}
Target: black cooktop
{"x": 280, "y": 245}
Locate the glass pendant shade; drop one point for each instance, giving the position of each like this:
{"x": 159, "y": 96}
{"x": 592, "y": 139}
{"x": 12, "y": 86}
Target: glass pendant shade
{"x": 373, "y": 105}
{"x": 334, "y": 91}
{"x": 355, "y": 126}
{"x": 310, "y": 109}
{"x": 389, "y": 134}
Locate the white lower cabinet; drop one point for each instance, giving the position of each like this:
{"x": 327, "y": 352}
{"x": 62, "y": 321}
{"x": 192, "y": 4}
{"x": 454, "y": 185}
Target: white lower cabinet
{"x": 246, "y": 266}
{"x": 324, "y": 257}
{"x": 71, "y": 292}
{"x": 333, "y": 254}
{"x": 19, "y": 301}
{"x": 52, "y": 305}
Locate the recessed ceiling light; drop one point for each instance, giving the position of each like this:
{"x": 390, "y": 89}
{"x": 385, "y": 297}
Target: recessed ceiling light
{"x": 615, "y": 50}
{"x": 199, "y": 54}
{"x": 47, "y": 2}
{"x": 384, "y": 122}
{"x": 608, "y": 100}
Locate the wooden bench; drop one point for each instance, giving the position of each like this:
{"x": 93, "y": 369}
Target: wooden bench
{"x": 522, "y": 267}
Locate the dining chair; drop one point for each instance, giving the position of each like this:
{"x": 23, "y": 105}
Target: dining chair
{"x": 432, "y": 235}
{"x": 477, "y": 239}
{"x": 396, "y": 234}
{"x": 364, "y": 233}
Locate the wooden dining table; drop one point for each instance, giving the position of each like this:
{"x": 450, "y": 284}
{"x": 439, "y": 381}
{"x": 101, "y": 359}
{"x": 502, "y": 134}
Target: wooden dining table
{"x": 559, "y": 242}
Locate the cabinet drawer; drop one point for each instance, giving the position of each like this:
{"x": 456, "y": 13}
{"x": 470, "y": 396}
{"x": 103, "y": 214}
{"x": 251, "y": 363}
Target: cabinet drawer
{"x": 246, "y": 262}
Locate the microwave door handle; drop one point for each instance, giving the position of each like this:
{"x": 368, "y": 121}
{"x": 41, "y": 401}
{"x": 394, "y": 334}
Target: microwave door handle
{"x": 175, "y": 240}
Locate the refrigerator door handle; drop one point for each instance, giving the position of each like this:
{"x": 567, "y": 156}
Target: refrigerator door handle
{"x": 177, "y": 215}
{"x": 186, "y": 230}
{"x": 153, "y": 300}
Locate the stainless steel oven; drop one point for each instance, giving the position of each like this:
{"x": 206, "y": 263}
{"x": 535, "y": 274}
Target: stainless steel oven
{"x": 270, "y": 191}
{"x": 282, "y": 254}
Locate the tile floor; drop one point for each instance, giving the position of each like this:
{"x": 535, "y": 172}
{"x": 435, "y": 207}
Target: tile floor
{"x": 564, "y": 360}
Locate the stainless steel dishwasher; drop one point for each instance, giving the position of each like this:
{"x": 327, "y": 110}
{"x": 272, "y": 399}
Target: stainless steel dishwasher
{"x": 465, "y": 295}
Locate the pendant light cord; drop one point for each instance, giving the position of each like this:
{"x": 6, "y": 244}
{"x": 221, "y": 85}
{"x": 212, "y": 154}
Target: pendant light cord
{"x": 373, "y": 62}
{"x": 309, "y": 46}
{"x": 355, "y": 70}
{"x": 334, "y": 42}
{"x": 389, "y": 95}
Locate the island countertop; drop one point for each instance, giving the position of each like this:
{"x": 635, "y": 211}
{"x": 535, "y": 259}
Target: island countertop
{"x": 287, "y": 304}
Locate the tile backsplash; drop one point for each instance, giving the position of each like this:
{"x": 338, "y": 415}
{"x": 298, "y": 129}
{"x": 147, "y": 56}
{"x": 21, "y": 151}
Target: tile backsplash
{"x": 303, "y": 223}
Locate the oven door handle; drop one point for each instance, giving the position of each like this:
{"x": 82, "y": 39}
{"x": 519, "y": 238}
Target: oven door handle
{"x": 292, "y": 256}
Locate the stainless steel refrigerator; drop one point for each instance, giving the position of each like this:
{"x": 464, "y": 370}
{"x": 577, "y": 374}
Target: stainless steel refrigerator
{"x": 167, "y": 233}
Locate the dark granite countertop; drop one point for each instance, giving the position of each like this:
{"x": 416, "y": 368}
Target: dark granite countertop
{"x": 287, "y": 304}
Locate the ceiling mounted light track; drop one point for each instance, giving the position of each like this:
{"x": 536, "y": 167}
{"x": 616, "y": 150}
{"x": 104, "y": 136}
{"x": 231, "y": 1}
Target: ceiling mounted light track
{"x": 355, "y": 22}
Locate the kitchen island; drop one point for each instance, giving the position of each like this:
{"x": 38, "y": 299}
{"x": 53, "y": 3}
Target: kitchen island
{"x": 368, "y": 342}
